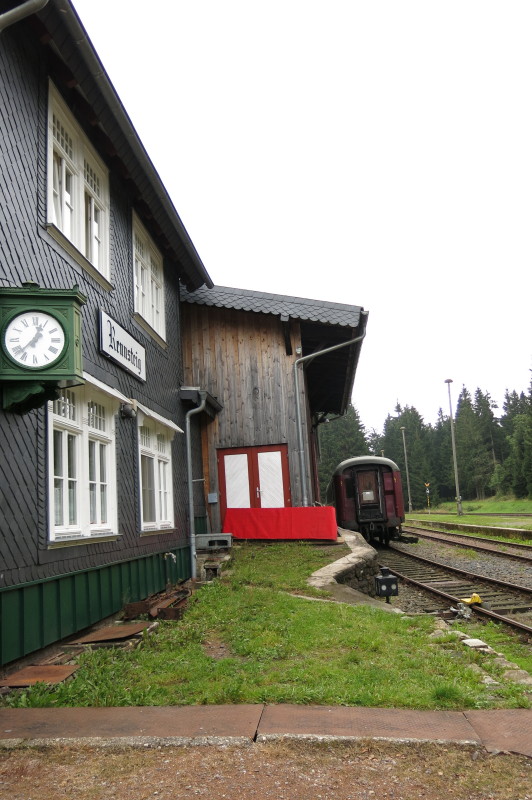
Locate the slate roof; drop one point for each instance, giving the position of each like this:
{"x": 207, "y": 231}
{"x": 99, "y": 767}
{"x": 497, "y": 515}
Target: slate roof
{"x": 76, "y": 68}
{"x": 278, "y": 304}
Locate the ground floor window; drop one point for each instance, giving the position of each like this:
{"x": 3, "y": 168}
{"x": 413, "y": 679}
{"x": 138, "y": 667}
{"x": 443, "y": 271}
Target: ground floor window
{"x": 155, "y": 449}
{"x": 82, "y": 461}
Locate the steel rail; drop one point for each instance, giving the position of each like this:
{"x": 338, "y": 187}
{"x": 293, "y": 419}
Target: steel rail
{"x": 453, "y": 598}
{"x": 474, "y": 575}
{"x": 477, "y": 609}
{"x": 471, "y": 541}
{"x": 467, "y": 529}
{"x": 480, "y": 514}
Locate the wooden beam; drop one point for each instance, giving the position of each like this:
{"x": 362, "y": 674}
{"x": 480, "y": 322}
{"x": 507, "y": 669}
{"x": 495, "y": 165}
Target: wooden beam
{"x": 285, "y": 322}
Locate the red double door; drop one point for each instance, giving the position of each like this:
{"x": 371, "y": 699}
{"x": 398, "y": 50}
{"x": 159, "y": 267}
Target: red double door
{"x": 254, "y": 477}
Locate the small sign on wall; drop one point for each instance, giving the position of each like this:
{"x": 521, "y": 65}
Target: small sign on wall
{"x": 118, "y": 345}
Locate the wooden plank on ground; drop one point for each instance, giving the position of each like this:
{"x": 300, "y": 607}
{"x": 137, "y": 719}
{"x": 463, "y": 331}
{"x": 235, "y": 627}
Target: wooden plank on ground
{"x": 29, "y": 676}
{"x": 113, "y": 633}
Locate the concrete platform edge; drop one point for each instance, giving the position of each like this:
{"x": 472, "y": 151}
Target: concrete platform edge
{"x": 496, "y": 731}
{"x": 270, "y": 737}
{"x": 118, "y": 742}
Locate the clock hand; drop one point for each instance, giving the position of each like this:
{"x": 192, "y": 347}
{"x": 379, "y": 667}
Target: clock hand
{"x": 35, "y": 339}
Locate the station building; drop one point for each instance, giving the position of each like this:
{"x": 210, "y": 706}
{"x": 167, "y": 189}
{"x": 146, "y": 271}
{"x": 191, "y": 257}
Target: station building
{"x": 101, "y": 288}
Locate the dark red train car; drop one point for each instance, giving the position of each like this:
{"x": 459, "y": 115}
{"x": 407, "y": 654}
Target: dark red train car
{"x": 368, "y": 496}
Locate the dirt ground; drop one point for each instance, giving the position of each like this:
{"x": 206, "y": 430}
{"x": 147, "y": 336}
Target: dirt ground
{"x": 281, "y": 770}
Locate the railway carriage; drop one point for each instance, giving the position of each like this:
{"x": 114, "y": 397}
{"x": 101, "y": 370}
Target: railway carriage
{"x": 368, "y": 497}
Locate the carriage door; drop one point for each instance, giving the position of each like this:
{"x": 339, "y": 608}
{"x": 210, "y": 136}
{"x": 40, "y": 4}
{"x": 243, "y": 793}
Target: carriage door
{"x": 254, "y": 477}
{"x": 368, "y": 495}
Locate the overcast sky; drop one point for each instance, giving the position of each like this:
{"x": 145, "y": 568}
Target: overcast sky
{"x": 377, "y": 153}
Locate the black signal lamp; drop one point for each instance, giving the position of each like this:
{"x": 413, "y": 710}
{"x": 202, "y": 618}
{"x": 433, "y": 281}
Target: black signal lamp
{"x": 386, "y": 584}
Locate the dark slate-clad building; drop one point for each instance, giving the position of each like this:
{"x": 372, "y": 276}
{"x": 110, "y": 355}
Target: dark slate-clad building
{"x": 93, "y": 473}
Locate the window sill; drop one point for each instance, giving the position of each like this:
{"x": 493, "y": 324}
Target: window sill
{"x": 83, "y": 540}
{"x": 141, "y": 322}
{"x": 158, "y": 531}
{"x": 78, "y": 256}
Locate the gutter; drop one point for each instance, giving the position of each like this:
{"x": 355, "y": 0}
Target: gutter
{"x": 21, "y": 12}
{"x": 300, "y": 443}
{"x": 192, "y": 529}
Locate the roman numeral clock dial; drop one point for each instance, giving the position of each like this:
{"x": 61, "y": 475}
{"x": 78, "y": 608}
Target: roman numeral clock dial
{"x": 34, "y": 339}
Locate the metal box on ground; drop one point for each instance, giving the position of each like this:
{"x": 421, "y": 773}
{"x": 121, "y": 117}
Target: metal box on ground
{"x": 213, "y": 541}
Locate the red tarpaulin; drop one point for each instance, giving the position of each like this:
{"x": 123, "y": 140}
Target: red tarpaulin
{"x": 314, "y": 522}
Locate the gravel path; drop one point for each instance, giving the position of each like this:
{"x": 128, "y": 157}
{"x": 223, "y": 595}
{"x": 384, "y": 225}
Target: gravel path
{"x": 273, "y": 771}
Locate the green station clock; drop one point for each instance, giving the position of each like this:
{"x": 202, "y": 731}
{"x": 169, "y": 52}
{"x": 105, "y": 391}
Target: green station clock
{"x": 40, "y": 344}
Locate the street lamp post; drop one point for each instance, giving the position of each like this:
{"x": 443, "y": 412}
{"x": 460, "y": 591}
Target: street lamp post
{"x": 407, "y": 474}
{"x": 458, "y": 498}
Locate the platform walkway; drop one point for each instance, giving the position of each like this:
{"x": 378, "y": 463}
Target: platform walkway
{"x": 495, "y": 731}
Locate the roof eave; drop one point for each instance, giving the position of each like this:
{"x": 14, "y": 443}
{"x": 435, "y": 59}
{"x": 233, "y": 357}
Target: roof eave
{"x": 353, "y": 363}
{"x": 192, "y": 271}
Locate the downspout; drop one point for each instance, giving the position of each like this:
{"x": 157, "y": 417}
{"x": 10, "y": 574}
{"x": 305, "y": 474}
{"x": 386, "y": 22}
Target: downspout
{"x": 192, "y": 529}
{"x": 21, "y": 12}
{"x": 300, "y": 443}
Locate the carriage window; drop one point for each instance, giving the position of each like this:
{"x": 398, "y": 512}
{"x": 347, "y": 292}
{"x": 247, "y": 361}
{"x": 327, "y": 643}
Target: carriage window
{"x": 367, "y": 487}
{"x": 349, "y": 483}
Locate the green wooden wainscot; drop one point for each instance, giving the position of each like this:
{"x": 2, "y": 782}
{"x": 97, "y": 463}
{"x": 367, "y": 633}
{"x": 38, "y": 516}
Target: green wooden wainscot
{"x": 36, "y": 614}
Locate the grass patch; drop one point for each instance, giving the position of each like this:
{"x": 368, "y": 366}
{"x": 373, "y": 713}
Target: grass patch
{"x": 493, "y": 505}
{"x": 274, "y": 647}
{"x": 511, "y": 644}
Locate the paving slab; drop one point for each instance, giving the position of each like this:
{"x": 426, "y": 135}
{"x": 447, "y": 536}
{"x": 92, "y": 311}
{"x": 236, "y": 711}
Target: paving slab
{"x": 504, "y": 730}
{"x": 496, "y": 731}
{"x": 365, "y": 723}
{"x": 174, "y": 724}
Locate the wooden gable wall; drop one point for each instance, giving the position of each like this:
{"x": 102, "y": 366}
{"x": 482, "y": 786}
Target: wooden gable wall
{"x": 240, "y": 358}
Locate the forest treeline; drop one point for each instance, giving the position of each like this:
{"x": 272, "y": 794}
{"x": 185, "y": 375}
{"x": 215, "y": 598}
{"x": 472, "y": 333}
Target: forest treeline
{"x": 493, "y": 447}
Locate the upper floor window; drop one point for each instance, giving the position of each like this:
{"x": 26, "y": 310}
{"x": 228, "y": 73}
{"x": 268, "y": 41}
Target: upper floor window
{"x": 149, "y": 279}
{"x": 78, "y": 186}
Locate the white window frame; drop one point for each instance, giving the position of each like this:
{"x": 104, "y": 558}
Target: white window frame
{"x": 82, "y": 501}
{"x": 155, "y": 461}
{"x": 78, "y": 186}
{"x": 148, "y": 279}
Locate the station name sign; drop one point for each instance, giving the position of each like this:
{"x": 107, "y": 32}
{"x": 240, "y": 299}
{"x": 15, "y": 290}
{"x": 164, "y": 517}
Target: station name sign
{"x": 117, "y": 344}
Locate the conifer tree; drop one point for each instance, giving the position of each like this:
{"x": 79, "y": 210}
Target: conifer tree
{"x": 341, "y": 438}
{"x": 475, "y": 465}
{"x": 416, "y": 442}
{"x": 494, "y": 454}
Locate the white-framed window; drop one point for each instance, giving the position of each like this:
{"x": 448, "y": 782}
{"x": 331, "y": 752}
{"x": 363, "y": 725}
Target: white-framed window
{"x": 82, "y": 464}
{"x": 78, "y": 186}
{"x": 155, "y": 458}
{"x": 148, "y": 278}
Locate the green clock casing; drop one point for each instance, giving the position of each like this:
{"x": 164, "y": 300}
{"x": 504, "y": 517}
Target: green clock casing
{"x": 40, "y": 343}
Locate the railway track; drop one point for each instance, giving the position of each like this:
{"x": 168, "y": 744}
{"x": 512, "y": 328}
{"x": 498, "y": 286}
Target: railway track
{"x": 515, "y": 550}
{"x": 499, "y": 598}
{"x": 469, "y": 528}
{"x": 485, "y": 513}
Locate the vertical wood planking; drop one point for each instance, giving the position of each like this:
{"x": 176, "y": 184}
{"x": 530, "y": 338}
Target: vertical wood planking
{"x": 240, "y": 357}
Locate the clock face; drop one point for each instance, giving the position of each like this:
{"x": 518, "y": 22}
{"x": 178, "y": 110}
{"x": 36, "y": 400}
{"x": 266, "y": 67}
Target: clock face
{"x": 34, "y": 339}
